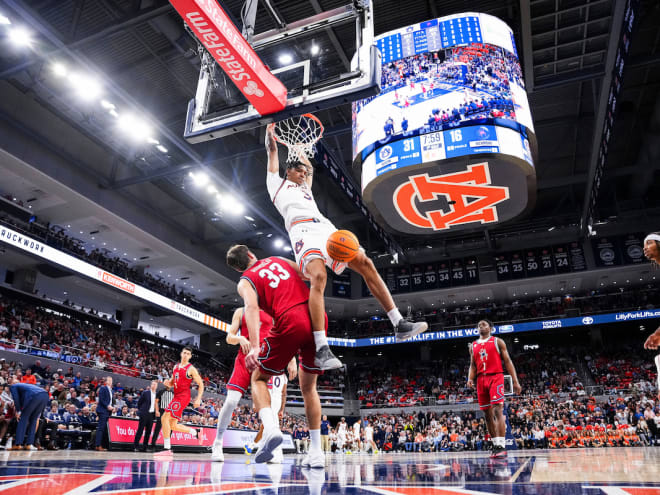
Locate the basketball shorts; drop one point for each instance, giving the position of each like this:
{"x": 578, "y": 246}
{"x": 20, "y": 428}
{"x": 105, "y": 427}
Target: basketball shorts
{"x": 177, "y": 406}
{"x": 275, "y": 386}
{"x": 240, "y": 376}
{"x": 490, "y": 390}
{"x": 291, "y": 335}
{"x": 308, "y": 240}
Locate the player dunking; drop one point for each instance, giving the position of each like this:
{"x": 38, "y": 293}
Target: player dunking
{"x": 652, "y": 252}
{"x": 182, "y": 377}
{"x": 275, "y": 285}
{"x": 486, "y": 357}
{"x": 309, "y": 231}
{"x": 240, "y": 378}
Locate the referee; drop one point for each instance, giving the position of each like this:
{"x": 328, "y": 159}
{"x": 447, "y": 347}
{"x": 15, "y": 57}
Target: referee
{"x": 163, "y": 399}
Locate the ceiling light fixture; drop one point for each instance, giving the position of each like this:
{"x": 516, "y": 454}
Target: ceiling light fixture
{"x": 285, "y": 59}
{"x": 20, "y": 36}
{"x": 59, "y": 69}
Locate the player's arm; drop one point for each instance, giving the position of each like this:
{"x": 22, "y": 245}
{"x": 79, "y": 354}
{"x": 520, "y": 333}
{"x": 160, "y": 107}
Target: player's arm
{"x": 292, "y": 369}
{"x": 293, "y": 265}
{"x": 472, "y": 374}
{"x": 310, "y": 170}
{"x": 271, "y": 149}
{"x": 200, "y": 386}
{"x": 232, "y": 335}
{"x": 247, "y": 292}
{"x": 653, "y": 340}
{"x": 508, "y": 364}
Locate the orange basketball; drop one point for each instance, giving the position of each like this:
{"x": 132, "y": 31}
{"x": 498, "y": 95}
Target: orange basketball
{"x": 343, "y": 246}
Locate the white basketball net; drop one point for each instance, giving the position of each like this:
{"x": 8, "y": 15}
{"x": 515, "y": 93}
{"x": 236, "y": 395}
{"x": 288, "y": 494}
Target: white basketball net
{"x": 300, "y": 135}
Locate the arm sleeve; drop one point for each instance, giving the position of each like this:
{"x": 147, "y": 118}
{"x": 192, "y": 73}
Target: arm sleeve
{"x": 273, "y": 183}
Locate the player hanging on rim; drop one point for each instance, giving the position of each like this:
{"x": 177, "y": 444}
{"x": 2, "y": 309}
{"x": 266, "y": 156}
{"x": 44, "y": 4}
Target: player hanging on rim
{"x": 276, "y": 285}
{"x": 182, "y": 377}
{"x": 309, "y": 231}
{"x": 240, "y": 378}
{"x": 652, "y": 252}
{"x": 486, "y": 357}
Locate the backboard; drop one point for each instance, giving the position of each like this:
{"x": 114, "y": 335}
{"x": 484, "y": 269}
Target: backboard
{"x": 315, "y": 70}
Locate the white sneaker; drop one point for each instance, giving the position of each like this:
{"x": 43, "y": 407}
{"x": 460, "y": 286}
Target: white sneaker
{"x": 268, "y": 443}
{"x": 278, "y": 456}
{"x": 314, "y": 460}
{"x": 217, "y": 455}
{"x": 30, "y": 447}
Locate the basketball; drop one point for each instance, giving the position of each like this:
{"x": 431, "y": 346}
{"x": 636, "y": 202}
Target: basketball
{"x": 343, "y": 246}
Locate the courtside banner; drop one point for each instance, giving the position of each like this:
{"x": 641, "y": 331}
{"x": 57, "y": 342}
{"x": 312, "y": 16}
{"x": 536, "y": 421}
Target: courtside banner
{"x": 38, "y": 248}
{"x": 123, "y": 430}
{"x": 529, "y": 326}
{"x": 215, "y": 30}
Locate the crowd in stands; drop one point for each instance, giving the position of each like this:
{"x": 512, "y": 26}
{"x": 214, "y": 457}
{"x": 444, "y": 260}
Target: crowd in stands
{"x": 70, "y": 420}
{"x": 59, "y": 238}
{"x": 89, "y": 344}
{"x": 540, "y": 422}
{"x": 531, "y": 308}
{"x": 405, "y": 383}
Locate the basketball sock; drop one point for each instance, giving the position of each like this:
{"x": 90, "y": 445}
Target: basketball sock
{"x": 314, "y": 441}
{"x": 320, "y": 339}
{"x": 267, "y": 418}
{"x": 395, "y": 316}
{"x": 226, "y": 413}
{"x": 166, "y": 444}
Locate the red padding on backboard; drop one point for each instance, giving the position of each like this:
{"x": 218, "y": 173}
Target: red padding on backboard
{"x": 223, "y": 40}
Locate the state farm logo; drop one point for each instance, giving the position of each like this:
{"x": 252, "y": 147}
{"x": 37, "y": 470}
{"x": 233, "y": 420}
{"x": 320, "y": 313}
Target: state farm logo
{"x": 251, "y": 88}
{"x": 470, "y": 197}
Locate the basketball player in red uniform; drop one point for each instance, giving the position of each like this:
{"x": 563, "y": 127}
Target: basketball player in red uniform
{"x": 182, "y": 377}
{"x": 276, "y": 285}
{"x": 240, "y": 378}
{"x": 486, "y": 358}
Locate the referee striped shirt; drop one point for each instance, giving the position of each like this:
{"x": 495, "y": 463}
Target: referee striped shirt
{"x": 164, "y": 398}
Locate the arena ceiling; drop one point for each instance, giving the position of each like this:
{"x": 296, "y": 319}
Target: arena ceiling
{"x": 145, "y": 61}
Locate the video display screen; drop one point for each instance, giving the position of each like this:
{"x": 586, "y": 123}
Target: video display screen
{"x": 442, "y": 75}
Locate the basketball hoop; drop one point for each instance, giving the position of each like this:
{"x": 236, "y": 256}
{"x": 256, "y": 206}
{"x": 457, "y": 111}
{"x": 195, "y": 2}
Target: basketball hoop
{"x": 300, "y": 134}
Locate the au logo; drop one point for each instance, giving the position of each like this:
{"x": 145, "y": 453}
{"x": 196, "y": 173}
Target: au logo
{"x": 470, "y": 195}
{"x": 299, "y": 246}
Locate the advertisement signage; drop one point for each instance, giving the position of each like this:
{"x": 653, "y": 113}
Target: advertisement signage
{"x": 37, "y": 248}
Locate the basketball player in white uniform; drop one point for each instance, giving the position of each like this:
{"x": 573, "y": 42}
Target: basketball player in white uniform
{"x": 308, "y": 232}
{"x": 369, "y": 438}
{"x": 357, "y": 443}
{"x": 652, "y": 252}
{"x": 342, "y": 433}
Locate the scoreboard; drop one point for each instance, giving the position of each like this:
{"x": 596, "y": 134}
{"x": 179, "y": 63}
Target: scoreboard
{"x": 431, "y": 36}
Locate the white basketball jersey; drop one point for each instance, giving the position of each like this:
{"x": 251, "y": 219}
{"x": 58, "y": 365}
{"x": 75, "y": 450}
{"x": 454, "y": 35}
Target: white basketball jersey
{"x": 368, "y": 432}
{"x": 291, "y": 200}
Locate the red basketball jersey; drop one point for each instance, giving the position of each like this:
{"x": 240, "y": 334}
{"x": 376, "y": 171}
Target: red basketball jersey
{"x": 277, "y": 284}
{"x": 181, "y": 380}
{"x": 266, "y": 323}
{"x": 486, "y": 356}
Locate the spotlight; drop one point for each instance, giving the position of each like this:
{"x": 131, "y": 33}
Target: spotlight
{"x": 285, "y": 59}
{"x": 249, "y": 218}
{"x": 211, "y": 189}
{"x": 4, "y": 20}
{"x": 87, "y": 87}
{"x": 315, "y": 49}
{"x": 107, "y": 105}
{"x": 200, "y": 179}
{"x": 151, "y": 140}
{"x": 59, "y": 70}
{"x": 161, "y": 148}
{"x": 20, "y": 36}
